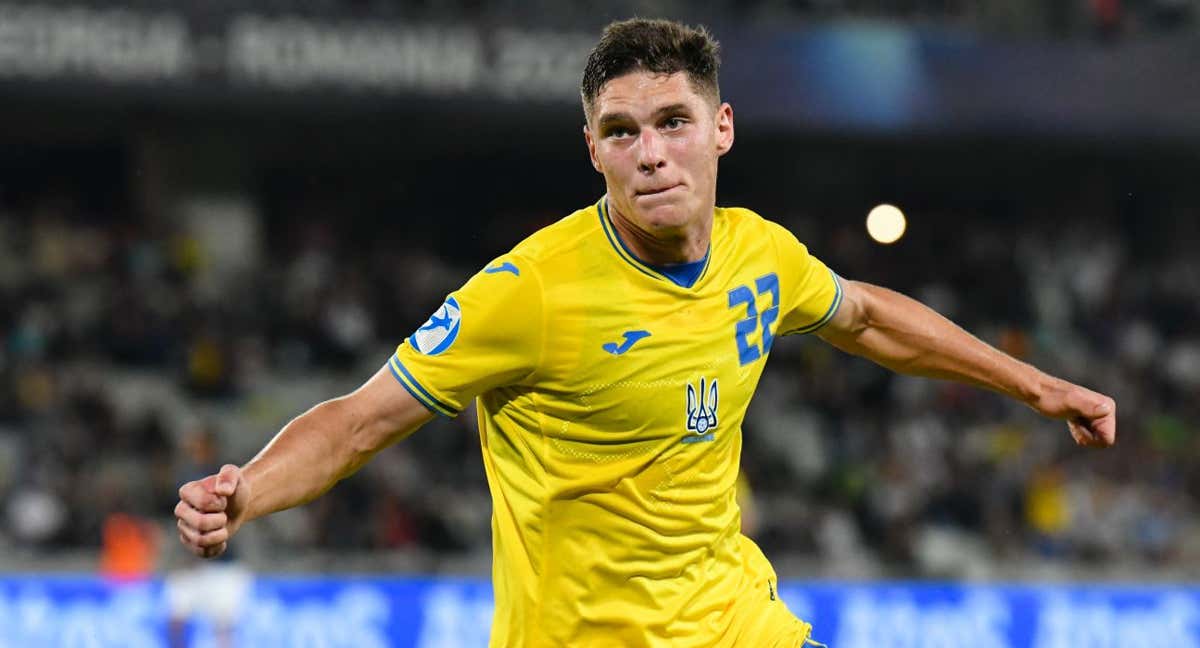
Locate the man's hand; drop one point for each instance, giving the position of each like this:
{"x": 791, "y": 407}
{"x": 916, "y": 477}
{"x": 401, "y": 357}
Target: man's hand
{"x": 1091, "y": 417}
{"x": 211, "y": 510}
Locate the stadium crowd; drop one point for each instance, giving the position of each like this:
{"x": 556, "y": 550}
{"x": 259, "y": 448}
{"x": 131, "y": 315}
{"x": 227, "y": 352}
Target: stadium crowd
{"x": 1103, "y": 19}
{"x": 128, "y": 366}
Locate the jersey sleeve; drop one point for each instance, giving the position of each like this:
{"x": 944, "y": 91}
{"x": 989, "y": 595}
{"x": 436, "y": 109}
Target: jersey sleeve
{"x": 487, "y": 334}
{"x": 811, "y": 291}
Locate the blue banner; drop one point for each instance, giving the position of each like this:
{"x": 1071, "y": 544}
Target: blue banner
{"x": 83, "y": 612}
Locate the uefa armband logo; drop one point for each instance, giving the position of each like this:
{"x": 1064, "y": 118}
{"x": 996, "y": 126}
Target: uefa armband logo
{"x": 439, "y": 331}
{"x": 701, "y": 411}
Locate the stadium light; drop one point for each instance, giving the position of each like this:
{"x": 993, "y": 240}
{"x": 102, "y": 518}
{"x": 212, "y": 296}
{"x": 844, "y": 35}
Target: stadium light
{"x": 886, "y": 224}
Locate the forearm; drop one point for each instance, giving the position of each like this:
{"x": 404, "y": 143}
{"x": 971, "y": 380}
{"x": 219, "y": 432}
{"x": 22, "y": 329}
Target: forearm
{"x": 909, "y": 337}
{"x": 307, "y": 457}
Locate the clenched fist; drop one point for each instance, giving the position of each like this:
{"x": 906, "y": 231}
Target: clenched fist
{"x": 211, "y": 510}
{"x": 1091, "y": 417}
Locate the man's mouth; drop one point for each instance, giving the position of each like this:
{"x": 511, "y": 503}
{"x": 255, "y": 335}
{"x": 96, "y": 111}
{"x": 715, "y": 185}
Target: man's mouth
{"x": 656, "y": 191}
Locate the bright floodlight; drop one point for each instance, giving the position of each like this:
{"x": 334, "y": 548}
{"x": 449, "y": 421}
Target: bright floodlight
{"x": 886, "y": 224}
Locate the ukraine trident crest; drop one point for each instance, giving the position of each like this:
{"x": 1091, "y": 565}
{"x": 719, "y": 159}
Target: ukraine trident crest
{"x": 701, "y": 410}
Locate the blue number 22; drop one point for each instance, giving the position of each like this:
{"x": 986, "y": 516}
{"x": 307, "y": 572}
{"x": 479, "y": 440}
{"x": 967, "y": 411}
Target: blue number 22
{"x": 747, "y": 352}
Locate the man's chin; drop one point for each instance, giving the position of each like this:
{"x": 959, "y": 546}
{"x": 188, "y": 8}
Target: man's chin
{"x": 665, "y": 217}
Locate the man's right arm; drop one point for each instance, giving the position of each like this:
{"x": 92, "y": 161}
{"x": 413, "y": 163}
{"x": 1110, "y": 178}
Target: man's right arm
{"x": 306, "y": 458}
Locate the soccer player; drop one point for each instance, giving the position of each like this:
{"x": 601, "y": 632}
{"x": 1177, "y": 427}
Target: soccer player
{"x": 613, "y": 355}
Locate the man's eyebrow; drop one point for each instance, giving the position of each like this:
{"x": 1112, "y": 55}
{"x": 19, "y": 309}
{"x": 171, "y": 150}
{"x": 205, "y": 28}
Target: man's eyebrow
{"x": 607, "y": 119}
{"x": 673, "y": 108}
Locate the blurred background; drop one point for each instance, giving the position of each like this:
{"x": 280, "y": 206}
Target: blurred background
{"x": 213, "y": 216}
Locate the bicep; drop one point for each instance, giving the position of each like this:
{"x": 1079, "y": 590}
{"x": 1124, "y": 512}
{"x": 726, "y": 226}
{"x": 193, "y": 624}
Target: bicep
{"x": 851, "y": 317}
{"x": 331, "y": 441}
{"x": 884, "y": 326}
{"x": 382, "y": 411}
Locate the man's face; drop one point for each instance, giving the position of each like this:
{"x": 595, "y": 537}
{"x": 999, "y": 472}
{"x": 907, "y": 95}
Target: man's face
{"x": 657, "y": 140}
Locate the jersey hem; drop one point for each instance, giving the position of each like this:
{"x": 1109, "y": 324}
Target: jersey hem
{"x": 833, "y": 309}
{"x": 417, "y": 390}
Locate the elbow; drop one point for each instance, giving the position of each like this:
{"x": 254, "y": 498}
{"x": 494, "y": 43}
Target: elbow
{"x": 355, "y": 436}
{"x": 346, "y": 446}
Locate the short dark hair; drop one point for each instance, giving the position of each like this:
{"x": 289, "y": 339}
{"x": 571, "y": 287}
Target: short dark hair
{"x": 658, "y": 46}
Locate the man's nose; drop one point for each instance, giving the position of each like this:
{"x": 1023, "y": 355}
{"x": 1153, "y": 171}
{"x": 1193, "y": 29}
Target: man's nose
{"x": 650, "y": 151}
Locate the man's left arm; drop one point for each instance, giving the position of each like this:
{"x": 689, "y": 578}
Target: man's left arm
{"x": 906, "y": 336}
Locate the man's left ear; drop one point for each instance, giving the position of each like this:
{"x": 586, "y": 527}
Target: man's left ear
{"x": 724, "y": 128}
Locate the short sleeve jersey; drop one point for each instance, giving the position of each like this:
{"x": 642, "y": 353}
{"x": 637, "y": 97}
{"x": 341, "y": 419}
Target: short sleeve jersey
{"x": 610, "y": 403}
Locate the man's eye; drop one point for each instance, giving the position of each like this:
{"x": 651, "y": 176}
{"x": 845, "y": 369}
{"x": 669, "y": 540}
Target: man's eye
{"x": 619, "y": 131}
{"x": 674, "y": 123}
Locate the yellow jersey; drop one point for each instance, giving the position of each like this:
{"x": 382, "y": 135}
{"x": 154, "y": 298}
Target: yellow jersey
{"x": 610, "y": 402}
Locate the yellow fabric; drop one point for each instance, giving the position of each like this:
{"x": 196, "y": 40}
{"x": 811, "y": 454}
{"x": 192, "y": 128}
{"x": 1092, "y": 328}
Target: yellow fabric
{"x": 612, "y": 470}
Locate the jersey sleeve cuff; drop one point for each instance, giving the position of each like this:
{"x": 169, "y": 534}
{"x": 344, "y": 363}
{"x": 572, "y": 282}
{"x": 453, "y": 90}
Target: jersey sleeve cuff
{"x": 833, "y": 309}
{"x": 418, "y": 390}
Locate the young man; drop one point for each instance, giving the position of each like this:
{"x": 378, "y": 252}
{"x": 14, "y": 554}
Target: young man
{"x": 613, "y": 355}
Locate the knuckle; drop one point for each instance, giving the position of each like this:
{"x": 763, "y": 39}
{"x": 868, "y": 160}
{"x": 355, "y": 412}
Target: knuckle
{"x": 212, "y": 538}
{"x": 189, "y": 516}
{"x": 192, "y": 547}
{"x": 211, "y": 522}
{"x": 186, "y": 531}
{"x": 189, "y": 491}
{"x": 217, "y": 537}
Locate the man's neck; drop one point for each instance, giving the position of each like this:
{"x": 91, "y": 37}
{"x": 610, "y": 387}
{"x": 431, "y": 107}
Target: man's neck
{"x": 685, "y": 246}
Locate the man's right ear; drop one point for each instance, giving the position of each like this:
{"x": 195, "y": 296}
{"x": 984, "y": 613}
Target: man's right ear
{"x": 591, "y": 147}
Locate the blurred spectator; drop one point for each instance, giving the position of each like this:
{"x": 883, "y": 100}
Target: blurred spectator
{"x": 130, "y": 548}
{"x": 205, "y": 595}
